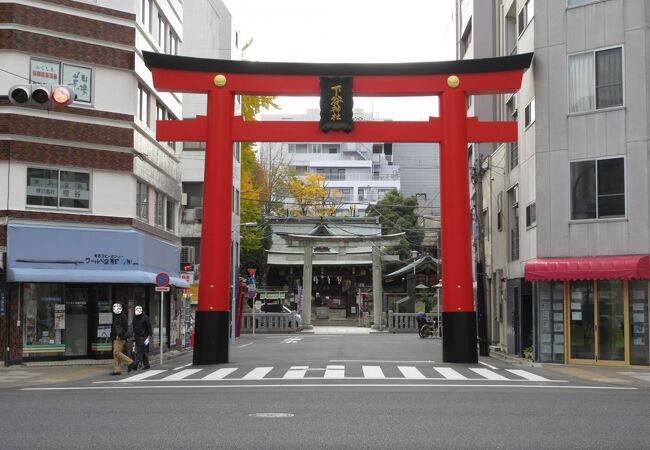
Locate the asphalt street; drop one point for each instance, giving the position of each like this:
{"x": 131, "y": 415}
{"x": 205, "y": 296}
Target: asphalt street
{"x": 330, "y": 391}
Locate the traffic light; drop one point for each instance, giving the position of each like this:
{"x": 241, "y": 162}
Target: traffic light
{"x": 41, "y": 94}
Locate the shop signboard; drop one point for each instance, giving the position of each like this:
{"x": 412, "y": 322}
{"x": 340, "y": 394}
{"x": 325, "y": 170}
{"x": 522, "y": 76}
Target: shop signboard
{"x": 3, "y": 302}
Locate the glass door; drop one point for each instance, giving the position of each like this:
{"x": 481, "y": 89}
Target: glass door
{"x": 76, "y": 321}
{"x": 598, "y": 317}
{"x": 582, "y": 321}
{"x": 611, "y": 320}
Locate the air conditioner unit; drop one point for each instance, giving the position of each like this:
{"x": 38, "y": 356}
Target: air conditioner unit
{"x": 188, "y": 216}
{"x": 187, "y": 254}
{"x": 198, "y": 214}
{"x": 184, "y": 199}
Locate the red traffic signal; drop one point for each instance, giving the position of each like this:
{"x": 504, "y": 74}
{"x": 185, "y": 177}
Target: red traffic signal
{"x": 41, "y": 94}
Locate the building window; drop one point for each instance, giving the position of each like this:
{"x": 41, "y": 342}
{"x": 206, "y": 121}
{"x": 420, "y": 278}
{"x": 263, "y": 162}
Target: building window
{"x": 331, "y": 148}
{"x": 161, "y": 31}
{"x": 514, "y": 154}
{"x": 513, "y": 197}
{"x": 598, "y": 188}
{"x": 237, "y": 201}
{"x": 143, "y": 105}
{"x": 529, "y": 113}
{"x": 466, "y": 40}
{"x": 500, "y": 212}
{"x": 596, "y": 80}
{"x": 526, "y": 14}
{"x": 531, "y": 215}
{"x": 58, "y": 188}
{"x": 169, "y": 222}
{"x": 194, "y": 192}
{"x": 579, "y": 2}
{"x": 142, "y": 201}
{"x": 145, "y": 12}
{"x": 158, "y": 209}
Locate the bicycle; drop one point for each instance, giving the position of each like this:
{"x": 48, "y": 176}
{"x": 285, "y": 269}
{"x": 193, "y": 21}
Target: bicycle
{"x": 429, "y": 329}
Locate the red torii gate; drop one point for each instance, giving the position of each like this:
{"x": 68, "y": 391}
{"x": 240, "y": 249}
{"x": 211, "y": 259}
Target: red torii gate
{"x": 222, "y": 80}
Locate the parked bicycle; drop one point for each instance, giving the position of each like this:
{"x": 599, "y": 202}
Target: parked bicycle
{"x": 428, "y": 327}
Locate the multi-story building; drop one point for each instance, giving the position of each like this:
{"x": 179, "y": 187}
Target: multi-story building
{"x": 91, "y": 199}
{"x": 576, "y": 267}
{"x": 358, "y": 174}
{"x": 208, "y": 33}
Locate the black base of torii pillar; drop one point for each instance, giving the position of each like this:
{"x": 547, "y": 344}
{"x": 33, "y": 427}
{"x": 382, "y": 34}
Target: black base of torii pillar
{"x": 459, "y": 341}
{"x": 211, "y": 337}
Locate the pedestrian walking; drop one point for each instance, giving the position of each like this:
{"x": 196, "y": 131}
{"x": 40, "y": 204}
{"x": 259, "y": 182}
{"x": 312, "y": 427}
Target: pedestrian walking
{"x": 119, "y": 331}
{"x": 142, "y": 333}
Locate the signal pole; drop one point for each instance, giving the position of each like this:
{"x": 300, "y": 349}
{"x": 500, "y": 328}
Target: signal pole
{"x": 483, "y": 344}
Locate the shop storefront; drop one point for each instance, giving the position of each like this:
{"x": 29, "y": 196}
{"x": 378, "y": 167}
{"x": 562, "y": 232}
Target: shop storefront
{"x": 65, "y": 280}
{"x": 591, "y": 310}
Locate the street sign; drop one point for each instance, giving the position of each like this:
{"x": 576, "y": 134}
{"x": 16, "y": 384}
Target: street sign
{"x": 162, "y": 279}
{"x": 162, "y": 288}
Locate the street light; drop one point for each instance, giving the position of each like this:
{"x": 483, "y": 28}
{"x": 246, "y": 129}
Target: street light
{"x": 235, "y": 264}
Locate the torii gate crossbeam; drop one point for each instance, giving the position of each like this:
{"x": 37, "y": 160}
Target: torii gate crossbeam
{"x": 451, "y": 81}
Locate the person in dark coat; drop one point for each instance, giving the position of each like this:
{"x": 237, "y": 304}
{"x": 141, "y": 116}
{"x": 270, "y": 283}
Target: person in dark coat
{"x": 119, "y": 330}
{"x": 142, "y": 334}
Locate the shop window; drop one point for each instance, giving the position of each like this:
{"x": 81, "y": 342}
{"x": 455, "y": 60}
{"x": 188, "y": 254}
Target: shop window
{"x": 551, "y": 321}
{"x": 639, "y": 338}
{"x": 598, "y": 188}
{"x": 44, "y": 306}
{"x": 58, "y": 188}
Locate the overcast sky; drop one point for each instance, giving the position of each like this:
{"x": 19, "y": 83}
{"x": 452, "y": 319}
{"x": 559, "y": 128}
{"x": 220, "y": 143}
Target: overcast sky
{"x": 364, "y": 31}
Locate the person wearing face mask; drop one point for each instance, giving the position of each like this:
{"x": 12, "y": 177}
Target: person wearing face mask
{"x": 119, "y": 329}
{"x": 142, "y": 333}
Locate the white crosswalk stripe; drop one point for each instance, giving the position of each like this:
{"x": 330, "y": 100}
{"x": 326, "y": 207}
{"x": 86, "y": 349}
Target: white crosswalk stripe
{"x": 338, "y": 372}
{"x": 450, "y": 373}
{"x": 334, "y": 372}
{"x": 527, "y": 375}
{"x": 489, "y": 374}
{"x": 373, "y": 372}
{"x": 257, "y": 373}
{"x": 296, "y": 372}
{"x": 143, "y": 375}
{"x": 219, "y": 374}
{"x": 181, "y": 375}
{"x": 411, "y": 373}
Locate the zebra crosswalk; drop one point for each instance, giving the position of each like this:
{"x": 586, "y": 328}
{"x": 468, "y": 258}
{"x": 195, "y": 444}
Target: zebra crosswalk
{"x": 336, "y": 372}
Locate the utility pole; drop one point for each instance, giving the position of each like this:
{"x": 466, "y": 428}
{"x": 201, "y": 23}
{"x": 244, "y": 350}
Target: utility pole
{"x": 481, "y": 320}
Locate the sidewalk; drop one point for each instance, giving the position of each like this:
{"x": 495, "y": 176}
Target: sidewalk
{"x": 621, "y": 375}
{"x": 50, "y": 372}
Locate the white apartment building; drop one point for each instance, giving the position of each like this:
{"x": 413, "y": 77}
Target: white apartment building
{"x": 91, "y": 199}
{"x": 571, "y": 199}
{"x": 358, "y": 174}
{"x": 208, "y": 34}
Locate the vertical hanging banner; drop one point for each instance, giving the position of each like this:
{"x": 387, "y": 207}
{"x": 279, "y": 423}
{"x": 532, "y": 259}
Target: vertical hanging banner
{"x": 336, "y": 104}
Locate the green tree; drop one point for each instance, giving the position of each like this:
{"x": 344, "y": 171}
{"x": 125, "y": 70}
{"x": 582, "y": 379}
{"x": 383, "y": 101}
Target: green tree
{"x": 397, "y": 214}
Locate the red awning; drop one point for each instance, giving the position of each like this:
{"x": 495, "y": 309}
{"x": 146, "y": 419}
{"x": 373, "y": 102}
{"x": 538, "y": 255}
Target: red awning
{"x": 589, "y": 268}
